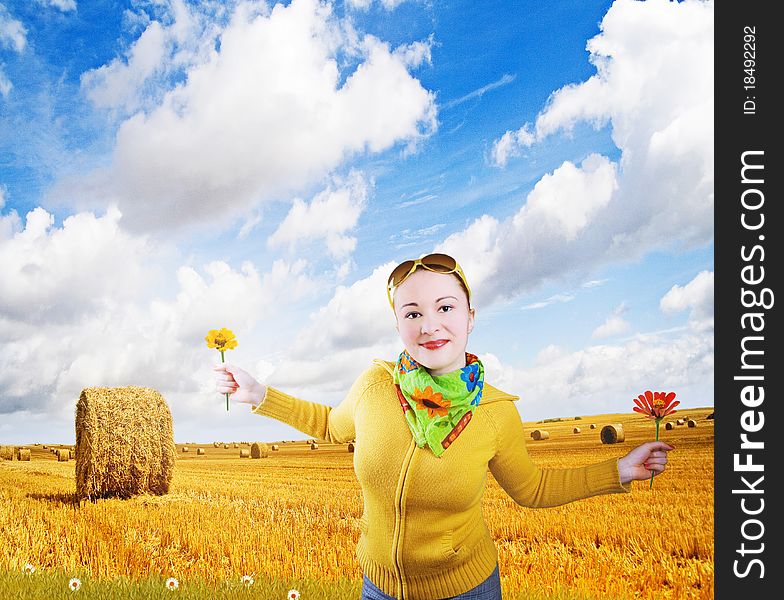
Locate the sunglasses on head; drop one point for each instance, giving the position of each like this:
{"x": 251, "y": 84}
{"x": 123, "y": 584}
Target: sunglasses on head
{"x": 438, "y": 263}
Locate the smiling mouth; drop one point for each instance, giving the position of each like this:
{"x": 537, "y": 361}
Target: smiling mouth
{"x": 434, "y": 345}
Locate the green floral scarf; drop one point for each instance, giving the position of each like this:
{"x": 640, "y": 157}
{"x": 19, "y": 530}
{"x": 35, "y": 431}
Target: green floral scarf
{"x": 438, "y": 407}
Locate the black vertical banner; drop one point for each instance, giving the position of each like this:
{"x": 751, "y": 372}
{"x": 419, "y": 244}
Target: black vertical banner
{"x": 748, "y": 194}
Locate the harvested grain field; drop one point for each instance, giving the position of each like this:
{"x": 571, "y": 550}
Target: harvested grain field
{"x": 294, "y": 515}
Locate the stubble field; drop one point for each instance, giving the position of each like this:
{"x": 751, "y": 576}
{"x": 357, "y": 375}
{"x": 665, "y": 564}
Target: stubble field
{"x": 291, "y": 521}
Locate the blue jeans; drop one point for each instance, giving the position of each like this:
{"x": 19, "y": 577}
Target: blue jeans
{"x": 489, "y": 589}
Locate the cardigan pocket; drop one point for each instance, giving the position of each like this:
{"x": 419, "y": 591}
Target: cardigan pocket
{"x": 455, "y": 541}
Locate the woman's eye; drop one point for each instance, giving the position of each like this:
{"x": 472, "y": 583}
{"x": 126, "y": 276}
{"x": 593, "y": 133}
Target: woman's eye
{"x": 408, "y": 315}
{"x": 448, "y": 307}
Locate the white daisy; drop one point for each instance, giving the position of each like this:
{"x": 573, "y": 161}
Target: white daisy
{"x": 247, "y": 580}
{"x": 28, "y": 569}
{"x": 292, "y": 595}
{"x": 172, "y": 584}
{"x": 74, "y": 584}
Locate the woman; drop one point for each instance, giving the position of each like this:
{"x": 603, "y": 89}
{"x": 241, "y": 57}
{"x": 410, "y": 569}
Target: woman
{"x": 423, "y": 472}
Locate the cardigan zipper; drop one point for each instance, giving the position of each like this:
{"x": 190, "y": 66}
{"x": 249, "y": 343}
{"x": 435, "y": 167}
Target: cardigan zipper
{"x": 399, "y": 516}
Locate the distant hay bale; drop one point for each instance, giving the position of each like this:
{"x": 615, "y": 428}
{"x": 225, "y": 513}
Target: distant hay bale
{"x": 259, "y": 450}
{"x": 244, "y": 453}
{"x": 313, "y": 446}
{"x": 593, "y": 425}
{"x": 23, "y": 454}
{"x": 612, "y": 434}
{"x": 225, "y": 446}
{"x": 46, "y": 447}
{"x": 275, "y": 447}
{"x": 576, "y": 430}
{"x": 124, "y": 443}
{"x": 216, "y": 444}
{"x": 200, "y": 451}
{"x": 185, "y": 449}
{"x": 7, "y": 452}
{"x": 679, "y": 422}
{"x": 350, "y": 447}
{"x": 63, "y": 454}
{"x": 668, "y": 425}
{"x": 540, "y": 434}
{"x": 236, "y": 445}
{"x": 691, "y": 423}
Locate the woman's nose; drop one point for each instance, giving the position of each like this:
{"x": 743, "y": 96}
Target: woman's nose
{"x": 428, "y": 325}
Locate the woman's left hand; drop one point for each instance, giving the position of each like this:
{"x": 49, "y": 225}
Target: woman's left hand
{"x": 643, "y": 461}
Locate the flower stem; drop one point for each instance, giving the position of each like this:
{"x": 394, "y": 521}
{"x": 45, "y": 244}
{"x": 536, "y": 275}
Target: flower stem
{"x": 657, "y": 439}
{"x": 227, "y": 399}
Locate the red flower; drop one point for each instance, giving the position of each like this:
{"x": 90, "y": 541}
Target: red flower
{"x": 655, "y": 405}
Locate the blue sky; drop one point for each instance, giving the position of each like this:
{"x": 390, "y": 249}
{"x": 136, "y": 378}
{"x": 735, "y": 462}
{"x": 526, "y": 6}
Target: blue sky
{"x": 172, "y": 167}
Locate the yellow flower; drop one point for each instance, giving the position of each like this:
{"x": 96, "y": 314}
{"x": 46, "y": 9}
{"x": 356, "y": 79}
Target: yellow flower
{"x": 222, "y": 339}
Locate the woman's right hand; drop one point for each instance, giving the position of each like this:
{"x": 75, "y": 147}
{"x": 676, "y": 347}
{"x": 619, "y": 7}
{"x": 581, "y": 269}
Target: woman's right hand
{"x": 243, "y": 388}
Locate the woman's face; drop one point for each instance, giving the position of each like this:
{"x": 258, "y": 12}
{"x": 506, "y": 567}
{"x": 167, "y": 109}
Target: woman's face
{"x": 433, "y": 320}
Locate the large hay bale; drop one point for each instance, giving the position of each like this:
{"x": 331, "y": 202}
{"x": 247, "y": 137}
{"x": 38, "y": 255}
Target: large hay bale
{"x": 23, "y": 454}
{"x": 7, "y": 452}
{"x": 540, "y": 434}
{"x": 274, "y": 447}
{"x": 679, "y": 421}
{"x": 576, "y": 430}
{"x": 259, "y": 450}
{"x": 124, "y": 443}
{"x": 691, "y": 423}
{"x": 612, "y": 434}
{"x": 63, "y": 454}
{"x": 244, "y": 453}
{"x": 593, "y": 425}
{"x": 200, "y": 451}
{"x": 669, "y": 425}
{"x": 185, "y": 449}
{"x": 351, "y": 447}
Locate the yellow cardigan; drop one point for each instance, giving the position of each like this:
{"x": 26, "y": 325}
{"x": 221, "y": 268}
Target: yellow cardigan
{"x": 423, "y": 536}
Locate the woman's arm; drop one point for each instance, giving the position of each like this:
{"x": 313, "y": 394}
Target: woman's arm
{"x": 529, "y": 485}
{"x": 333, "y": 424}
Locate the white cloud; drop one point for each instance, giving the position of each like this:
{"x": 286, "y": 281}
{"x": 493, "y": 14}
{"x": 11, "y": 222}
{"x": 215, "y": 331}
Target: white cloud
{"x": 63, "y": 5}
{"x": 329, "y": 216}
{"x": 64, "y": 273}
{"x": 557, "y": 298}
{"x": 614, "y": 325}
{"x": 505, "y": 79}
{"x": 697, "y": 295}
{"x": 5, "y": 85}
{"x": 509, "y": 144}
{"x": 604, "y": 378}
{"x": 118, "y": 83}
{"x": 264, "y": 115}
{"x": 13, "y": 33}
